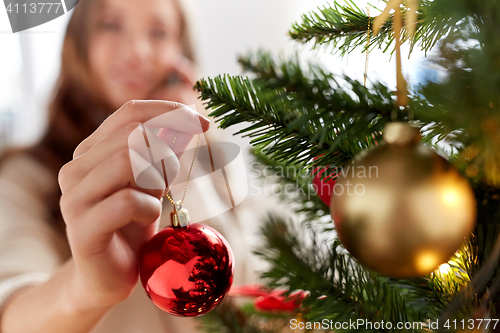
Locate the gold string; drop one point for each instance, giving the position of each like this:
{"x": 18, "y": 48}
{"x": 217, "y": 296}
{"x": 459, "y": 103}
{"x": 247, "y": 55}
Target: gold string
{"x": 173, "y": 141}
{"x": 411, "y": 18}
{"x": 189, "y": 174}
{"x": 401, "y": 91}
{"x": 368, "y": 34}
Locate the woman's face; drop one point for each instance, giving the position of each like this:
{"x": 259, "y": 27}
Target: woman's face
{"x": 133, "y": 46}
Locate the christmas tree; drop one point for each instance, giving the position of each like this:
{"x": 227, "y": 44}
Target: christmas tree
{"x": 305, "y": 119}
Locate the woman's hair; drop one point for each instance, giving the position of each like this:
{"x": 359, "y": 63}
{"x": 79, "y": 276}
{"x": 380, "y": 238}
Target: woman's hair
{"x": 76, "y": 108}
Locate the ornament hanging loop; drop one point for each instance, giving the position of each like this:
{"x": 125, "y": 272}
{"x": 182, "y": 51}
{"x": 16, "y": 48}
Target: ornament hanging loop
{"x": 402, "y": 90}
{"x": 368, "y": 35}
{"x": 174, "y": 219}
{"x": 401, "y": 134}
{"x": 179, "y": 216}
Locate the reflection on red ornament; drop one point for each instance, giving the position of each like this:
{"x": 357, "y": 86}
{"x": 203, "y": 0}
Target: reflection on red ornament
{"x": 186, "y": 271}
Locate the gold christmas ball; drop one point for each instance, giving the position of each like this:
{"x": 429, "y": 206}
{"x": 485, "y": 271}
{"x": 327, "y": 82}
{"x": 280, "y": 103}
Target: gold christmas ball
{"x": 400, "y": 208}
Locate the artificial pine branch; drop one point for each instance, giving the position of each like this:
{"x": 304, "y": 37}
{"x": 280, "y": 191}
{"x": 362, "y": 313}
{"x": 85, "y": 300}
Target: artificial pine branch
{"x": 340, "y": 27}
{"x": 339, "y": 288}
{"x": 343, "y": 27}
{"x": 296, "y": 115}
{"x": 299, "y": 115}
{"x": 299, "y": 193}
{"x": 228, "y": 318}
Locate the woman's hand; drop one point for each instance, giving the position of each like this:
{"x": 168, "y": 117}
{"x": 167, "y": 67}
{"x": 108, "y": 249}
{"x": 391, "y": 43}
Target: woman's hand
{"x": 108, "y": 216}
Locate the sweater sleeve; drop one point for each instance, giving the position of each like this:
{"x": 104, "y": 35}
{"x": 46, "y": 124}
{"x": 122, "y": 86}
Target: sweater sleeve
{"x": 30, "y": 248}
{"x": 11, "y": 286}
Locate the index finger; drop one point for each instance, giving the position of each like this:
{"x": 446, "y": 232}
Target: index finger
{"x": 154, "y": 114}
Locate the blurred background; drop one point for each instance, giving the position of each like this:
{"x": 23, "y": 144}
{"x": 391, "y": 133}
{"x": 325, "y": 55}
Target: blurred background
{"x": 223, "y": 29}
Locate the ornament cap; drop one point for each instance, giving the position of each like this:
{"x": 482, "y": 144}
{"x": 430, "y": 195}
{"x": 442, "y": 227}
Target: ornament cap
{"x": 400, "y": 133}
{"x": 179, "y": 217}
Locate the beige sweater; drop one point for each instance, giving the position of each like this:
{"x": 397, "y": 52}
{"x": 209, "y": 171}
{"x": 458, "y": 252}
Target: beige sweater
{"x": 31, "y": 250}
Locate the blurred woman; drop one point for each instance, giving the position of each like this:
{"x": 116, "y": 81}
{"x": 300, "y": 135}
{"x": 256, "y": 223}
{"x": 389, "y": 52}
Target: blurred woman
{"x": 69, "y": 263}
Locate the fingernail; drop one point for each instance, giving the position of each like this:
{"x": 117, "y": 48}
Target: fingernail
{"x": 205, "y": 123}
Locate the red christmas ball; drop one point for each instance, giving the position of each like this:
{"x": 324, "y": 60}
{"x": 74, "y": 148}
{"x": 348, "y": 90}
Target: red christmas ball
{"x": 187, "y": 271}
